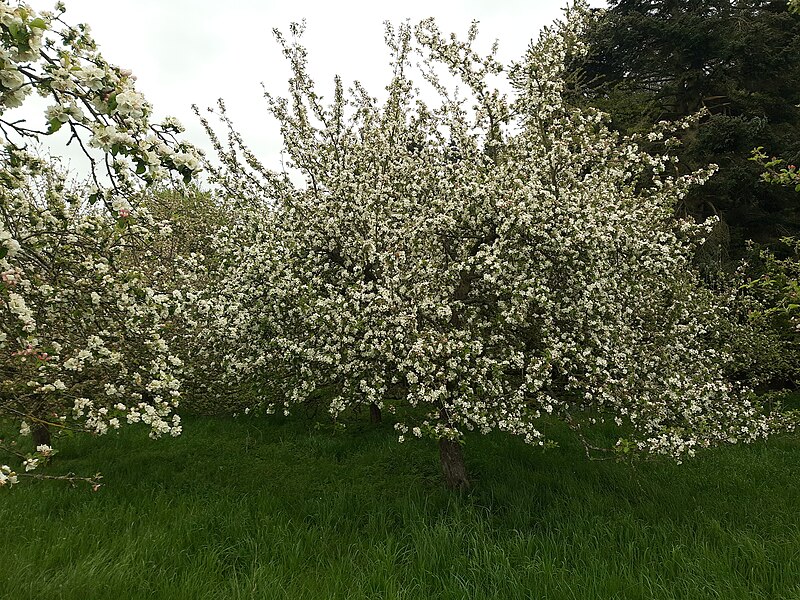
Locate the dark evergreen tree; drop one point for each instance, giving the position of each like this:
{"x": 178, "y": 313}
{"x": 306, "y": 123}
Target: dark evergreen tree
{"x": 652, "y": 60}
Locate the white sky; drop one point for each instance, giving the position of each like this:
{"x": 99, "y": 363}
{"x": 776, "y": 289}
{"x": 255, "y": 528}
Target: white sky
{"x": 195, "y": 51}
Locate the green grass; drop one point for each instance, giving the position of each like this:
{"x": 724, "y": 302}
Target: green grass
{"x": 254, "y": 508}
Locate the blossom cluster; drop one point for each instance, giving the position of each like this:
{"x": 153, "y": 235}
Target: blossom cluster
{"x": 96, "y": 101}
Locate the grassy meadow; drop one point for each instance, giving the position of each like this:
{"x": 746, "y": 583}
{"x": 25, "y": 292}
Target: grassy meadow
{"x": 276, "y": 508}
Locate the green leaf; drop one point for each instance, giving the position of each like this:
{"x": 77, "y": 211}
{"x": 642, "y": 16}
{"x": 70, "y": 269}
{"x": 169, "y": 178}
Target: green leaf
{"x": 3, "y": 251}
{"x": 53, "y": 125}
{"x": 38, "y": 23}
{"x": 13, "y": 28}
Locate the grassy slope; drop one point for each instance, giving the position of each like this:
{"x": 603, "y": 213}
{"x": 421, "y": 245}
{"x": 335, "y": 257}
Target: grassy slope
{"x": 255, "y": 509}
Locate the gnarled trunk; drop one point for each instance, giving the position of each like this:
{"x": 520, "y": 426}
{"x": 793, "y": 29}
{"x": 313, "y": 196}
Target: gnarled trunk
{"x": 375, "y": 413}
{"x": 453, "y": 467}
{"x": 41, "y": 434}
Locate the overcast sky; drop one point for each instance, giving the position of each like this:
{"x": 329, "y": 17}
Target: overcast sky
{"x": 195, "y": 51}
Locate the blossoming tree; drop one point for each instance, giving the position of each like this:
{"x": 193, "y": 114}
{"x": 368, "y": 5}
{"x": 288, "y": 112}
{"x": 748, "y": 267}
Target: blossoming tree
{"x": 83, "y": 328}
{"x": 490, "y": 262}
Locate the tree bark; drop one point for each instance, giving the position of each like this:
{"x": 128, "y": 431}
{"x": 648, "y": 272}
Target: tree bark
{"x": 453, "y": 467}
{"x": 41, "y": 434}
{"x": 375, "y": 413}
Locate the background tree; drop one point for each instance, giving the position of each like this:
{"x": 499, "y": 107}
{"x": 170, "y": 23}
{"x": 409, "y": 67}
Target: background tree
{"x": 82, "y": 330}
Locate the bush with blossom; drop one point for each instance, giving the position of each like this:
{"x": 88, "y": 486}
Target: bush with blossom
{"x": 84, "y": 328}
{"x": 490, "y": 262}
{"x": 758, "y": 337}
{"x": 776, "y": 170}
{"x": 773, "y": 285}
{"x": 775, "y": 293}
{"x": 770, "y": 288}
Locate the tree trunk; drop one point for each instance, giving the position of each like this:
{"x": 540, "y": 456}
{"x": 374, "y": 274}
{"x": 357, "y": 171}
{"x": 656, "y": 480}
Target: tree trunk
{"x": 453, "y": 467}
{"x": 41, "y": 434}
{"x": 375, "y": 413}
